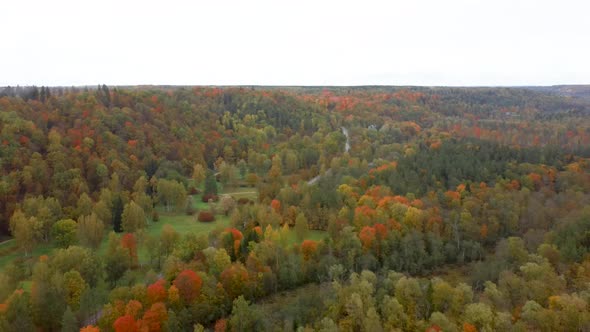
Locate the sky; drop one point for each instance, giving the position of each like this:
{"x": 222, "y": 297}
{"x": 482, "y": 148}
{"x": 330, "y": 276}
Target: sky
{"x": 413, "y": 42}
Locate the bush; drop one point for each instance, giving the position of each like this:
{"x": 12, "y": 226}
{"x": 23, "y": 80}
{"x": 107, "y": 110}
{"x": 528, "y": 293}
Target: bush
{"x": 208, "y": 197}
{"x": 206, "y": 216}
{"x": 244, "y": 201}
{"x": 155, "y": 216}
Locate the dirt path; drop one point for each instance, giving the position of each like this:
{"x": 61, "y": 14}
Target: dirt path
{"x": 346, "y": 149}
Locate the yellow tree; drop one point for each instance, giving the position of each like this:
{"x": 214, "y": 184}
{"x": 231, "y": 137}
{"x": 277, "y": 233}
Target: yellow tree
{"x": 133, "y": 217}
{"x": 199, "y": 174}
{"x": 24, "y": 231}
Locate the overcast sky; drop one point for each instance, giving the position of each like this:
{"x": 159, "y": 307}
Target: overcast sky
{"x": 412, "y": 42}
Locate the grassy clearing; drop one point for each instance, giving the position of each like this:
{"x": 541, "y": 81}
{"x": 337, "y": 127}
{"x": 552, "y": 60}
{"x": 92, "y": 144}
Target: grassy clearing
{"x": 15, "y": 253}
{"x": 241, "y": 192}
{"x": 186, "y": 224}
{"x": 180, "y": 221}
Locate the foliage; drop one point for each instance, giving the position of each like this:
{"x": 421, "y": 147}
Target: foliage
{"x": 451, "y": 209}
{"x": 189, "y": 285}
{"x": 64, "y": 233}
{"x": 206, "y": 216}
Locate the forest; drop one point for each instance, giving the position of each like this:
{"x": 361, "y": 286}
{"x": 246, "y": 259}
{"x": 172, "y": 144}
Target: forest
{"x": 182, "y": 208}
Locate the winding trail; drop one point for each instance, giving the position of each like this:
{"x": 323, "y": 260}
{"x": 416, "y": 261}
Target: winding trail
{"x": 347, "y": 145}
{"x": 346, "y": 149}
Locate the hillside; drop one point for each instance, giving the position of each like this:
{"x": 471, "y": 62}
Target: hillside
{"x": 177, "y": 207}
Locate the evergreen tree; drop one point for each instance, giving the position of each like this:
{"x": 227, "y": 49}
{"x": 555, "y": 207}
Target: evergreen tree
{"x": 117, "y": 213}
{"x": 42, "y": 94}
{"x": 18, "y": 313}
{"x": 106, "y": 95}
{"x": 69, "y": 323}
{"x": 210, "y": 183}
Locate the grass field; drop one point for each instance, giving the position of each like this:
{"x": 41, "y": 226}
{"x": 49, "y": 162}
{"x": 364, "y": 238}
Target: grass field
{"x": 183, "y": 223}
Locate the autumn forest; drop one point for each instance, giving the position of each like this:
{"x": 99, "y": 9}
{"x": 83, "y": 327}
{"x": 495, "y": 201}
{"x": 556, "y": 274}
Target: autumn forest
{"x": 181, "y": 208}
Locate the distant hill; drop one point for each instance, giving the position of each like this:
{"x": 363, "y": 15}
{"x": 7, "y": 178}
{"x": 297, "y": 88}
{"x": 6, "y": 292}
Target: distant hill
{"x": 575, "y": 91}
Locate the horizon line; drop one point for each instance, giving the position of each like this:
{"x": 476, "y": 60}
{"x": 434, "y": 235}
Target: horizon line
{"x": 297, "y": 85}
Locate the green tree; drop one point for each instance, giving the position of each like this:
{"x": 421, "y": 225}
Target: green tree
{"x": 64, "y": 233}
{"x": 210, "y": 184}
{"x": 393, "y": 314}
{"x": 90, "y": 231}
{"x": 480, "y": 315}
{"x": 133, "y": 217}
{"x": 91, "y": 303}
{"x": 24, "y": 231}
{"x": 168, "y": 240}
{"x": 372, "y": 321}
{"x": 46, "y": 210}
{"x": 243, "y": 167}
{"x": 276, "y": 170}
{"x": 84, "y": 205}
{"x": 228, "y": 174}
{"x": 439, "y": 319}
{"x": 171, "y": 193}
{"x": 115, "y": 259}
{"x": 103, "y": 212}
{"x": 69, "y": 323}
{"x": 74, "y": 286}
{"x": 83, "y": 260}
{"x": 18, "y": 313}
{"x": 47, "y": 300}
{"x": 301, "y": 226}
{"x": 244, "y": 317}
{"x": 409, "y": 294}
{"x": 442, "y": 295}
{"x": 144, "y": 201}
{"x": 117, "y": 213}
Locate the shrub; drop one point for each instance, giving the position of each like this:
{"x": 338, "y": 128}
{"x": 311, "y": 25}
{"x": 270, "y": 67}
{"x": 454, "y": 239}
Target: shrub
{"x": 206, "y": 216}
{"x": 155, "y": 216}
{"x": 208, "y": 197}
{"x": 244, "y": 201}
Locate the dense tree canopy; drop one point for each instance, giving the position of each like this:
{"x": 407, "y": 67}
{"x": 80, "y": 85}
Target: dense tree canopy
{"x": 452, "y": 209}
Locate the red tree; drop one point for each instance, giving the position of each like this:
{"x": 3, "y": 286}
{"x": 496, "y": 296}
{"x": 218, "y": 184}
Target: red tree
{"x": 234, "y": 280}
{"x": 236, "y": 236}
{"x": 133, "y": 308}
{"x": 275, "y": 204}
{"x": 221, "y": 325}
{"x": 125, "y": 324}
{"x": 154, "y": 317}
{"x": 189, "y": 285}
{"x": 156, "y": 292}
{"x": 129, "y": 243}
{"x": 367, "y": 236}
{"x": 308, "y": 248}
